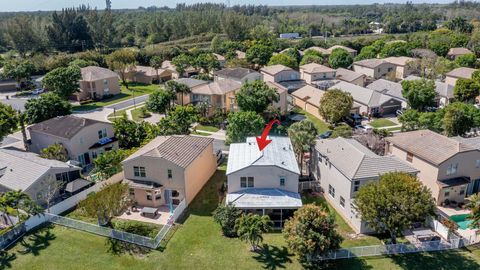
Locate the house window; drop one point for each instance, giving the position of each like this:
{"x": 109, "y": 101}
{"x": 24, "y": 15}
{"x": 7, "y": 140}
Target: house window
{"x": 282, "y": 181}
{"x": 175, "y": 193}
{"x": 94, "y": 154}
{"x": 452, "y": 169}
{"x": 331, "y": 191}
{"x": 105, "y": 82}
{"x": 477, "y": 163}
{"x": 409, "y": 157}
{"x": 447, "y": 193}
{"x": 356, "y": 186}
{"x": 149, "y": 197}
{"x": 139, "y": 171}
{"x": 102, "y": 133}
{"x": 131, "y": 192}
{"x": 246, "y": 182}
{"x": 462, "y": 191}
{"x": 250, "y": 182}
{"x": 158, "y": 197}
{"x": 342, "y": 202}
{"x": 169, "y": 174}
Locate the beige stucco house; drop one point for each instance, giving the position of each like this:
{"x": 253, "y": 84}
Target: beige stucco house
{"x": 342, "y": 166}
{"x": 279, "y": 73}
{"x": 350, "y": 76}
{"x": 315, "y": 72}
{"x": 458, "y": 73}
{"x": 403, "y": 66}
{"x": 351, "y": 51}
{"x": 38, "y": 177}
{"x": 83, "y": 138}
{"x": 217, "y": 95}
{"x": 449, "y": 167}
{"x": 264, "y": 182}
{"x": 374, "y": 68}
{"x": 454, "y": 53}
{"x": 282, "y": 91}
{"x": 148, "y": 75}
{"x": 97, "y": 83}
{"x": 169, "y": 169}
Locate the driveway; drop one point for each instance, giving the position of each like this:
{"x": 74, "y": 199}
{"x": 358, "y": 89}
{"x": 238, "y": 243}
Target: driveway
{"x": 128, "y": 103}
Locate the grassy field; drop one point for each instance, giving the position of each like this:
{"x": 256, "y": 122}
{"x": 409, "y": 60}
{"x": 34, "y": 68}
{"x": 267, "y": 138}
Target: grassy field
{"x": 206, "y": 128}
{"x": 198, "y": 244}
{"x": 321, "y": 126}
{"x": 381, "y": 122}
{"x": 137, "y": 114}
{"x": 134, "y": 88}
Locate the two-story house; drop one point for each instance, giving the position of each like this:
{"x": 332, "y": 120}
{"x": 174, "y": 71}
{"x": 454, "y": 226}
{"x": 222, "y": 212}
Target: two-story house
{"x": 264, "y": 182}
{"x": 403, "y": 66}
{"x": 450, "y": 168}
{"x": 350, "y": 76}
{"x": 459, "y": 73}
{"x": 38, "y": 177}
{"x": 97, "y": 83}
{"x": 169, "y": 169}
{"x": 219, "y": 94}
{"x": 342, "y": 166}
{"x": 148, "y": 75}
{"x": 238, "y": 74}
{"x": 83, "y": 138}
{"x": 279, "y": 73}
{"x": 315, "y": 72}
{"x": 374, "y": 69}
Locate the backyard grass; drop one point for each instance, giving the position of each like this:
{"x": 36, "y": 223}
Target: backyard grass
{"x": 200, "y": 133}
{"x": 137, "y": 114}
{"x": 206, "y": 128}
{"x": 381, "y": 122}
{"x": 198, "y": 244}
{"x": 321, "y": 126}
{"x": 134, "y": 88}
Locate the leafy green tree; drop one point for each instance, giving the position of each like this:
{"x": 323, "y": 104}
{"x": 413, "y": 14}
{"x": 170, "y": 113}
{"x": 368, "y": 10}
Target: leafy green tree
{"x": 466, "y": 90}
{"x": 459, "y": 24}
{"x": 379, "y": 203}
{"x": 226, "y": 216}
{"x": 181, "y": 63}
{"x": 68, "y": 30}
{"x": 255, "y": 96}
{"x": 334, "y": 105}
{"x": 409, "y": 120}
{"x": 55, "y": 151}
{"x": 207, "y": 62}
{"x": 441, "y": 40}
{"x": 340, "y": 58}
{"x": 458, "y": 118}
{"x": 18, "y": 200}
{"x": 215, "y": 44}
{"x": 344, "y": 131}
{"x": 8, "y": 120}
{"x": 283, "y": 59}
{"x": 419, "y": 93}
{"x": 303, "y": 135}
{"x": 259, "y": 54}
{"x": 398, "y": 48}
{"x": 122, "y": 61}
{"x": 107, "y": 203}
{"x": 307, "y": 59}
{"x": 18, "y": 70}
{"x": 63, "y": 81}
{"x": 156, "y": 63}
{"x": 109, "y": 163}
{"x": 129, "y": 133}
{"x": 180, "y": 89}
{"x": 369, "y": 52}
{"x": 311, "y": 233}
{"x": 179, "y": 120}
{"x": 48, "y": 105}
{"x": 81, "y": 63}
{"x": 474, "y": 206}
{"x": 294, "y": 53}
{"x": 250, "y": 228}
{"x": 466, "y": 60}
{"x": 242, "y": 125}
{"x": 22, "y": 35}
{"x": 160, "y": 101}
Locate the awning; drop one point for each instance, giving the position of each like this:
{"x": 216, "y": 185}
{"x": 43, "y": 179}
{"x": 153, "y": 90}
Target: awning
{"x": 457, "y": 181}
{"x": 77, "y": 184}
{"x": 268, "y": 198}
{"x": 103, "y": 142}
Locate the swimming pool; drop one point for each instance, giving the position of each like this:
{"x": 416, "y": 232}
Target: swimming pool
{"x": 461, "y": 221}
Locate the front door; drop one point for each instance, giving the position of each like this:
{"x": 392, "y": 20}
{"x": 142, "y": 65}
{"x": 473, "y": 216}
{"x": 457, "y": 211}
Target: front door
{"x": 86, "y": 157}
{"x": 474, "y": 187}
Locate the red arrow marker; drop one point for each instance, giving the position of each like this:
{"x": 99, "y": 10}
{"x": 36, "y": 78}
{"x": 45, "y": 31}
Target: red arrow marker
{"x": 262, "y": 142}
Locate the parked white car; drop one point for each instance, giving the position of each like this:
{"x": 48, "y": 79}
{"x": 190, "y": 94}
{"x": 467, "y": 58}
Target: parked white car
{"x": 364, "y": 128}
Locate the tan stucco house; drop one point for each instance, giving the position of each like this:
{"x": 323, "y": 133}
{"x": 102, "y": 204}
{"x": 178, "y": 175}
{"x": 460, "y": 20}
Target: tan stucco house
{"x": 149, "y": 75}
{"x": 97, "y": 83}
{"x": 458, "y": 73}
{"x": 454, "y": 53}
{"x": 37, "y": 177}
{"x": 282, "y": 91}
{"x": 264, "y": 182}
{"x": 374, "y": 68}
{"x": 279, "y": 73}
{"x": 169, "y": 169}
{"x": 218, "y": 95}
{"x": 342, "y": 166}
{"x": 83, "y": 138}
{"x": 315, "y": 72}
{"x": 449, "y": 167}
{"x": 350, "y": 76}
{"x": 403, "y": 66}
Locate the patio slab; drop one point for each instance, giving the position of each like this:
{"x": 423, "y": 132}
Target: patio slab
{"x": 161, "y": 218}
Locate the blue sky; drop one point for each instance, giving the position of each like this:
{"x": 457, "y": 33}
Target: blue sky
{"x": 33, "y": 5}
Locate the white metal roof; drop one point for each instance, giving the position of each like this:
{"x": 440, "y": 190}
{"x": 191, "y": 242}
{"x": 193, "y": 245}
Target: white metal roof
{"x": 264, "y": 198}
{"x": 278, "y": 153}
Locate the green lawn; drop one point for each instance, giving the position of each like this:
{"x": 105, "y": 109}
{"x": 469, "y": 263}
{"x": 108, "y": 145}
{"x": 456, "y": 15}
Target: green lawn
{"x": 137, "y": 113}
{"x": 134, "y": 88}
{"x": 206, "y": 128}
{"x": 321, "y": 126}
{"x": 381, "y": 122}
{"x": 198, "y": 244}
{"x": 200, "y": 133}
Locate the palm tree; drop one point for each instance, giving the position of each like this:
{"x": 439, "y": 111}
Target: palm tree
{"x": 303, "y": 135}
{"x": 156, "y": 63}
{"x": 250, "y": 228}
{"x": 474, "y": 206}
{"x": 19, "y": 200}
{"x": 4, "y": 204}
{"x": 177, "y": 88}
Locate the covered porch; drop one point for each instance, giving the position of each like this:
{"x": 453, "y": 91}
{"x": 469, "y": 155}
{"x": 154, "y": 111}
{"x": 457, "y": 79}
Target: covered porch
{"x": 452, "y": 192}
{"x": 278, "y": 204}
{"x": 153, "y": 195}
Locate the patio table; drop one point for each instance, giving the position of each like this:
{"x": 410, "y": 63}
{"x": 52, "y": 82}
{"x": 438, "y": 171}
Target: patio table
{"x": 149, "y": 211}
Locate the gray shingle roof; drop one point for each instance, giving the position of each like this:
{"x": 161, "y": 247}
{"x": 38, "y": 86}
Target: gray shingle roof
{"x": 363, "y": 95}
{"x": 428, "y": 145}
{"x": 235, "y": 73}
{"x": 278, "y": 153}
{"x": 370, "y": 63}
{"x": 19, "y": 169}
{"x": 461, "y": 72}
{"x": 64, "y": 126}
{"x": 191, "y": 82}
{"x": 356, "y": 161}
{"x": 442, "y": 89}
{"x": 348, "y": 75}
{"x": 93, "y": 73}
{"x": 220, "y": 87}
{"x": 387, "y": 87}
{"x": 316, "y": 68}
{"x": 310, "y": 94}
{"x": 178, "y": 149}
{"x": 275, "y": 69}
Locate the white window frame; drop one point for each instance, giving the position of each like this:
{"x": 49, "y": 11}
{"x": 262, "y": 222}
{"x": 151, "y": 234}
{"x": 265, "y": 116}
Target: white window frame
{"x": 331, "y": 191}
{"x": 139, "y": 171}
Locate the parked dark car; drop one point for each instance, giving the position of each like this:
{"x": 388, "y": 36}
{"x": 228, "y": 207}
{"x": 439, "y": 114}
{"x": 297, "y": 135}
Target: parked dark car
{"x": 220, "y": 157}
{"x": 325, "y": 135}
{"x": 354, "y": 120}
